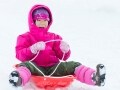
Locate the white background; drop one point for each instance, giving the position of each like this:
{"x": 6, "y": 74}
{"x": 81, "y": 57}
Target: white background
{"x": 91, "y": 27}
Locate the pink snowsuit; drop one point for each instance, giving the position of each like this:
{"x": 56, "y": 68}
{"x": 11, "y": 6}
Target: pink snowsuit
{"x": 52, "y": 52}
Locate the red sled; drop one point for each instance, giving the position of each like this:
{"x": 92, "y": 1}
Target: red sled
{"x": 50, "y": 81}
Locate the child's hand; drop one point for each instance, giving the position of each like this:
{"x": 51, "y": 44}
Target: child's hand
{"x": 64, "y": 47}
{"x": 37, "y": 47}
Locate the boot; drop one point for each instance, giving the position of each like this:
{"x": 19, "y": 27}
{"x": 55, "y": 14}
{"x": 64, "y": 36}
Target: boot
{"x": 15, "y": 79}
{"x": 99, "y": 76}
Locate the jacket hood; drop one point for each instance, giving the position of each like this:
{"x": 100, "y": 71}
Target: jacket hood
{"x": 32, "y": 26}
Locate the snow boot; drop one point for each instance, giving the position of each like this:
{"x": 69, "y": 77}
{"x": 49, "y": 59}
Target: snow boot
{"x": 15, "y": 79}
{"x": 99, "y": 76}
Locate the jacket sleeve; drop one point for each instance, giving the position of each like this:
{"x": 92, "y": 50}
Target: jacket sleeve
{"x": 22, "y": 48}
{"x": 58, "y": 51}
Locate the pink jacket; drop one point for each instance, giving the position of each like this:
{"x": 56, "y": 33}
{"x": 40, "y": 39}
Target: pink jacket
{"x": 52, "y": 52}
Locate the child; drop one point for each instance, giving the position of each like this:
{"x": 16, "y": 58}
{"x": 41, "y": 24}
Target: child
{"x": 47, "y": 49}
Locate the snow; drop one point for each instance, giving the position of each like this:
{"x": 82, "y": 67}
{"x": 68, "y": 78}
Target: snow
{"x": 91, "y": 27}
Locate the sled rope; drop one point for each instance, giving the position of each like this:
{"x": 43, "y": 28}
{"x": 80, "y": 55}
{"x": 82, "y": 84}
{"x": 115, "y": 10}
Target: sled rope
{"x": 55, "y": 67}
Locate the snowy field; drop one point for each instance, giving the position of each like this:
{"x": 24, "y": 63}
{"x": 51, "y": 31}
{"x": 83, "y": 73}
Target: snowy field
{"x": 91, "y": 27}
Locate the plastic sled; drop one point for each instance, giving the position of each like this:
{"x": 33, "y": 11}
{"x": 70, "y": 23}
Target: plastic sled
{"x": 52, "y": 82}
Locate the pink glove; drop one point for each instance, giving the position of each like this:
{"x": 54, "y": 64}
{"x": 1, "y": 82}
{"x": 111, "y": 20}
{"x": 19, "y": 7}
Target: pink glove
{"x": 37, "y": 47}
{"x": 64, "y": 47}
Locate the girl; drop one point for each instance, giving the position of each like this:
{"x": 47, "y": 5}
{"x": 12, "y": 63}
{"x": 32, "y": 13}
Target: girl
{"x": 48, "y": 48}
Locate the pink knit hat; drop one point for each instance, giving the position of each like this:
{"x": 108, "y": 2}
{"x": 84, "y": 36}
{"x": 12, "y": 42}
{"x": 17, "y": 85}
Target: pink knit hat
{"x": 40, "y": 13}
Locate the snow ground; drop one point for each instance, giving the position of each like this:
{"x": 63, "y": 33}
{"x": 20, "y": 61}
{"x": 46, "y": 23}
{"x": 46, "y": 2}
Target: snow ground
{"x": 91, "y": 27}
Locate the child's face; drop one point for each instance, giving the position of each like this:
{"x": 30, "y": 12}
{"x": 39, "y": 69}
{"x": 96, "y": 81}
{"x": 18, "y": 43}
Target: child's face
{"x": 41, "y": 23}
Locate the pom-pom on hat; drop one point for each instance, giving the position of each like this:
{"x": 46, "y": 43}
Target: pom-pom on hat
{"x": 40, "y": 13}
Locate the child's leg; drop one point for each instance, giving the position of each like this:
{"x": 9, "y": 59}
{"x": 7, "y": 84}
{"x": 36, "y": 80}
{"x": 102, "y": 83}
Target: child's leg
{"x": 22, "y": 74}
{"x": 90, "y": 76}
{"x": 81, "y": 72}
